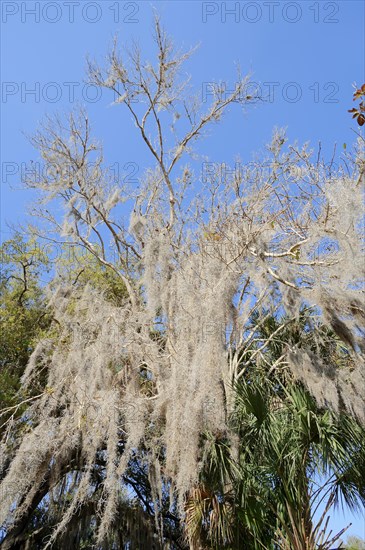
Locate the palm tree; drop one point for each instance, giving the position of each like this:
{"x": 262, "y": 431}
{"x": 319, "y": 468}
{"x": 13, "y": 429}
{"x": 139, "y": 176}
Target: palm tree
{"x": 295, "y": 461}
{"x": 303, "y": 459}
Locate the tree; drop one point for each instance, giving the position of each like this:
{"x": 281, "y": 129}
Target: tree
{"x": 293, "y": 459}
{"x": 24, "y": 316}
{"x": 135, "y": 379}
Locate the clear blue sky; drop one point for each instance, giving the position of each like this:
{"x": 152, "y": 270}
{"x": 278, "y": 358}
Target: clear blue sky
{"x": 305, "y": 55}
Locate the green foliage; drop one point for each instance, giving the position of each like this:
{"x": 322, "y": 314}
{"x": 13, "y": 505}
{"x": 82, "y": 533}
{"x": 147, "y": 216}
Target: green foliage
{"x": 286, "y": 445}
{"x": 78, "y": 267}
{"x": 290, "y": 454}
{"x": 23, "y": 314}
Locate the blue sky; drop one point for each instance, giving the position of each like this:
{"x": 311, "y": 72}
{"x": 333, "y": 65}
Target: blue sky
{"x": 304, "y": 55}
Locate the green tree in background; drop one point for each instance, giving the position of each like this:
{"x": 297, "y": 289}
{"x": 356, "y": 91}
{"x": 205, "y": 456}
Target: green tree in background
{"x": 23, "y": 314}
